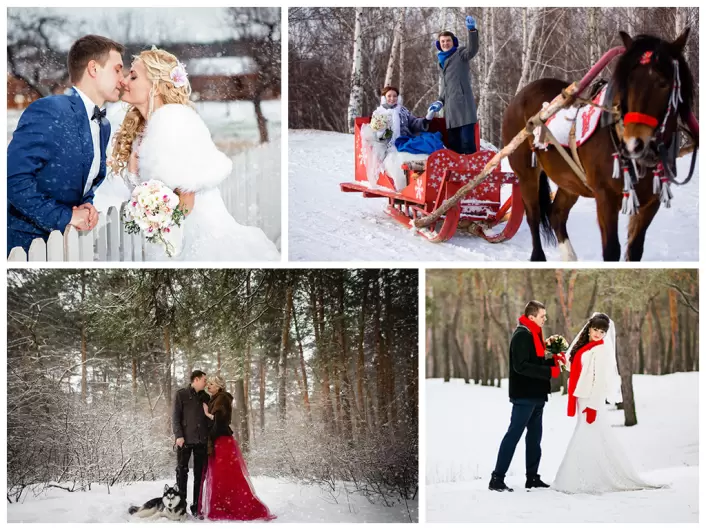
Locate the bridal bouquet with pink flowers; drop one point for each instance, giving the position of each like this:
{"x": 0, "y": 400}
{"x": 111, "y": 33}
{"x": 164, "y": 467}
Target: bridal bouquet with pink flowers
{"x": 154, "y": 209}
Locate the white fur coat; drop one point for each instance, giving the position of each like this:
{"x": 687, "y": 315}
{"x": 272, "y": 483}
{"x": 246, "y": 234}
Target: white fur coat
{"x": 595, "y": 379}
{"x": 178, "y": 150}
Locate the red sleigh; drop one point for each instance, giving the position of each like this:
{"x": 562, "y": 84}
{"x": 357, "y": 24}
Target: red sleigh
{"x": 429, "y": 183}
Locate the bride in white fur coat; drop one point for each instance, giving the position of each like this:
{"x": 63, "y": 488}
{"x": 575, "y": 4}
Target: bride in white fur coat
{"x": 594, "y": 461}
{"x": 163, "y": 138}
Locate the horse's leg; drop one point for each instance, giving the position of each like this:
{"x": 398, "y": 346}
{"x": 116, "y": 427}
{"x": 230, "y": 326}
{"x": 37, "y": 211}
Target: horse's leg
{"x": 561, "y": 206}
{"x": 637, "y": 228}
{"x": 608, "y": 207}
{"x": 529, "y": 188}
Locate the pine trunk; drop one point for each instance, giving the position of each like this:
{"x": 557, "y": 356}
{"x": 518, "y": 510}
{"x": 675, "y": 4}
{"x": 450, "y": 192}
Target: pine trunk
{"x": 361, "y": 380}
{"x": 283, "y": 351}
{"x": 346, "y": 391}
{"x": 302, "y": 365}
{"x": 262, "y": 369}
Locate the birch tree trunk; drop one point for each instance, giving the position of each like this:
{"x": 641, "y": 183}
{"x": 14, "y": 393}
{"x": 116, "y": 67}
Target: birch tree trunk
{"x": 530, "y": 22}
{"x": 681, "y": 20}
{"x": 444, "y": 15}
{"x": 400, "y": 85}
{"x": 593, "y": 46}
{"x": 355, "y": 102}
{"x": 395, "y": 49}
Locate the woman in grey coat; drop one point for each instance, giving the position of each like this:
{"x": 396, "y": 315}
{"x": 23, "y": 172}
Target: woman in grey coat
{"x": 456, "y": 95}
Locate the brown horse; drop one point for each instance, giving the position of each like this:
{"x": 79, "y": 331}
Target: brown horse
{"x": 642, "y": 85}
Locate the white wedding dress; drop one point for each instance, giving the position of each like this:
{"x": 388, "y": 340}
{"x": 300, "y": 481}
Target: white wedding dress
{"x": 595, "y": 462}
{"x": 177, "y": 149}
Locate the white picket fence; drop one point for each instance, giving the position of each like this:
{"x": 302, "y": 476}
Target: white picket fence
{"x": 106, "y": 242}
{"x": 252, "y": 193}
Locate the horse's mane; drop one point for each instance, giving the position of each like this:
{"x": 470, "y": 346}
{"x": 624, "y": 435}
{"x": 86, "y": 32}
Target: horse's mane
{"x": 662, "y": 58}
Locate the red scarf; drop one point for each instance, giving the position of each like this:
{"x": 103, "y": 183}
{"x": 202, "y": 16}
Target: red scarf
{"x": 575, "y": 374}
{"x": 536, "y": 335}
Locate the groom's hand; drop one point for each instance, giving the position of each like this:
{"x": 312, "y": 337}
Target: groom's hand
{"x": 590, "y": 415}
{"x": 92, "y": 214}
{"x": 180, "y": 442}
{"x": 80, "y": 219}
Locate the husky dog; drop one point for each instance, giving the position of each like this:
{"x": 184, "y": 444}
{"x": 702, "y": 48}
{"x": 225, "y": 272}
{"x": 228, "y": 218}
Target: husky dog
{"x": 171, "y": 505}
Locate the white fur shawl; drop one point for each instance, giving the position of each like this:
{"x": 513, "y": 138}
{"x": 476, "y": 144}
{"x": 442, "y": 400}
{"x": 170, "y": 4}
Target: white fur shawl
{"x": 178, "y": 150}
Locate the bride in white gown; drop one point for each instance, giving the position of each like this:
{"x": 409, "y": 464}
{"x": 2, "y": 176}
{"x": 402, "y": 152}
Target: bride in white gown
{"x": 163, "y": 138}
{"x": 594, "y": 461}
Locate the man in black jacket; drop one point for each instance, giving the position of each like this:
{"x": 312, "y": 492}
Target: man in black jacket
{"x": 530, "y": 376}
{"x": 190, "y": 427}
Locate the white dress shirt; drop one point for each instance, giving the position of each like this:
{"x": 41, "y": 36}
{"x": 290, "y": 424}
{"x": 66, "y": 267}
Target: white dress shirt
{"x": 95, "y": 135}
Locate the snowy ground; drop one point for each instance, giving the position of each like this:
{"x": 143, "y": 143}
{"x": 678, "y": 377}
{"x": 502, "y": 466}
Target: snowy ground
{"x": 326, "y": 224}
{"x": 465, "y": 424}
{"x": 291, "y": 503}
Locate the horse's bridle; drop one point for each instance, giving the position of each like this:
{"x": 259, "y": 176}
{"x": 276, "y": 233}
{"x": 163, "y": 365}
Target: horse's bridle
{"x": 659, "y": 139}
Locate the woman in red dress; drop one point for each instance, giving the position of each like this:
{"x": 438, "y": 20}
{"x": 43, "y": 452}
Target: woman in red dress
{"x": 226, "y": 490}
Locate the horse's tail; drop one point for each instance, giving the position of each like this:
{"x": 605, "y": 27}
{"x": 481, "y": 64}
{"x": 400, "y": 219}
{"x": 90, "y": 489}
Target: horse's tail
{"x": 545, "y": 209}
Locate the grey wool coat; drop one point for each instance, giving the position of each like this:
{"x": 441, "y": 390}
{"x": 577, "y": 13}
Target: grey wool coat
{"x": 456, "y": 92}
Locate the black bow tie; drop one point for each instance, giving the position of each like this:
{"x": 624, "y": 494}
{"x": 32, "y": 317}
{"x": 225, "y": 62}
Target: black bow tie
{"x": 98, "y": 114}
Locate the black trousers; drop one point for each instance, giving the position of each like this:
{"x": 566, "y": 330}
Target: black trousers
{"x": 462, "y": 139}
{"x": 182, "y": 470}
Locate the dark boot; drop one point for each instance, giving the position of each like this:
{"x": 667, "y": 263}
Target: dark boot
{"x": 535, "y": 482}
{"x": 497, "y": 483}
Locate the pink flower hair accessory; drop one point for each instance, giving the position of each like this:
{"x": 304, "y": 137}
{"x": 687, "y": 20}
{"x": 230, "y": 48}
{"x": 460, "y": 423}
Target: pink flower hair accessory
{"x": 178, "y": 75}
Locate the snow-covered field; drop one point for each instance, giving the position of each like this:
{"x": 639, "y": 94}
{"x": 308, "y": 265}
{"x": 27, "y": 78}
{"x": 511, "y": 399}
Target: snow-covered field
{"x": 291, "y": 503}
{"x": 326, "y": 224}
{"x": 465, "y": 424}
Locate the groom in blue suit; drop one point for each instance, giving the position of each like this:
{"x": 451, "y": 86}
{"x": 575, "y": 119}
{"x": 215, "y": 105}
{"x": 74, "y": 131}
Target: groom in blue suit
{"x": 56, "y": 159}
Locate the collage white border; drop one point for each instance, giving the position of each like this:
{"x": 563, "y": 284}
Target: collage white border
{"x": 285, "y": 263}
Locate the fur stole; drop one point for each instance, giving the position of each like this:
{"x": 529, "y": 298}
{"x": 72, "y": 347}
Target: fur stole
{"x": 177, "y": 149}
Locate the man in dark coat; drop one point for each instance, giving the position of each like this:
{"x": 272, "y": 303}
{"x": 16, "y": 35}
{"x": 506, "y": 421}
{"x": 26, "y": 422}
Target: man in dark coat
{"x": 530, "y": 377}
{"x": 456, "y": 94}
{"x": 190, "y": 427}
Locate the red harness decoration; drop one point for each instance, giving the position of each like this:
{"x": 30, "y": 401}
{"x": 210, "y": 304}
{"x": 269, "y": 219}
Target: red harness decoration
{"x": 576, "y": 373}
{"x": 646, "y": 58}
{"x": 536, "y": 335}
{"x": 638, "y": 117}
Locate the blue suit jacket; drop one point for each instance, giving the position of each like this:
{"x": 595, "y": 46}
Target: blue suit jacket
{"x": 48, "y": 161}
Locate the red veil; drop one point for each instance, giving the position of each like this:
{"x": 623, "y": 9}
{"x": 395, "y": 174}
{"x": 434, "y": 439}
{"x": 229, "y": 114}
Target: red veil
{"x": 226, "y": 490}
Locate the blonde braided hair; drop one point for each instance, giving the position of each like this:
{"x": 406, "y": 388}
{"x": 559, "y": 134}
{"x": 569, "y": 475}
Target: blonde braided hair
{"x": 159, "y": 64}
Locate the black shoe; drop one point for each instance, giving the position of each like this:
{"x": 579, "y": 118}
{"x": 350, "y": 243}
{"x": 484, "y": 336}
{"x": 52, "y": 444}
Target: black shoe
{"x": 497, "y": 483}
{"x": 535, "y": 482}
{"x": 194, "y": 510}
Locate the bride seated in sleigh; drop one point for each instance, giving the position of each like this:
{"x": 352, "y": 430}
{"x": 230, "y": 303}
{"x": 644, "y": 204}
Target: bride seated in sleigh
{"x": 394, "y": 137}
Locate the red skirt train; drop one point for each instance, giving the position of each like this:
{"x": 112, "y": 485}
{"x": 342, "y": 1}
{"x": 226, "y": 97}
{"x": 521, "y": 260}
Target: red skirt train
{"x": 226, "y": 490}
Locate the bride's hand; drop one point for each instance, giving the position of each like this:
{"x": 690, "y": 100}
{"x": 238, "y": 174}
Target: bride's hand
{"x": 186, "y": 201}
{"x": 205, "y": 411}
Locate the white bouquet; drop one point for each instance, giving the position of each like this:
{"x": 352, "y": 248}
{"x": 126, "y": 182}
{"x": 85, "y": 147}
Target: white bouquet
{"x": 381, "y": 123}
{"x": 153, "y": 209}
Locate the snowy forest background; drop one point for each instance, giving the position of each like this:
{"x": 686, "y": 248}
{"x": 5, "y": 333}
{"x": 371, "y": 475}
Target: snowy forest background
{"x": 340, "y": 58}
{"x": 322, "y": 364}
{"x": 471, "y": 315}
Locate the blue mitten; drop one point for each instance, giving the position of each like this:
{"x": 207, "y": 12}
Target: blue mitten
{"x": 470, "y": 23}
{"x": 436, "y": 106}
